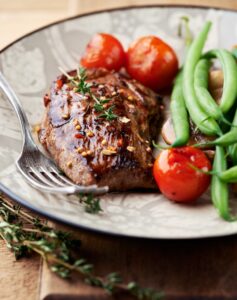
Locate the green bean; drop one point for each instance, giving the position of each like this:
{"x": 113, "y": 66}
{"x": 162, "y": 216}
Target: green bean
{"x": 205, "y": 99}
{"x": 232, "y": 150}
{"x": 229, "y": 175}
{"x": 234, "y": 52}
{"x": 179, "y": 113}
{"x": 225, "y": 140}
{"x": 219, "y": 189}
{"x": 178, "y": 109}
{"x": 205, "y": 123}
{"x": 233, "y": 153}
{"x": 229, "y": 67}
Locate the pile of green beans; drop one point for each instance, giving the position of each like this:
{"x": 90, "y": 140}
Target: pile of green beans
{"x": 191, "y": 98}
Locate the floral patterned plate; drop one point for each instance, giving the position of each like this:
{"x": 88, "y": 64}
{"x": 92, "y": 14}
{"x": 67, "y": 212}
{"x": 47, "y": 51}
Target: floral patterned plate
{"x": 31, "y": 63}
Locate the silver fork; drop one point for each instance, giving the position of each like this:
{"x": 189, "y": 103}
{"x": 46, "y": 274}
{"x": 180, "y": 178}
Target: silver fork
{"x": 40, "y": 171}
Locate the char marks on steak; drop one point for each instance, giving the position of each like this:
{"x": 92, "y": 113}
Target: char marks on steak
{"x": 91, "y": 149}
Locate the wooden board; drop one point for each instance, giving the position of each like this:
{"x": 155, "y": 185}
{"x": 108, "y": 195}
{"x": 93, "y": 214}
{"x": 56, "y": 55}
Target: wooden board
{"x": 191, "y": 269}
{"x": 18, "y": 279}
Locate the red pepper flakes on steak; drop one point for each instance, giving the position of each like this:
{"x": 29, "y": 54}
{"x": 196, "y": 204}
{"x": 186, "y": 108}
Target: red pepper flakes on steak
{"x": 90, "y": 149}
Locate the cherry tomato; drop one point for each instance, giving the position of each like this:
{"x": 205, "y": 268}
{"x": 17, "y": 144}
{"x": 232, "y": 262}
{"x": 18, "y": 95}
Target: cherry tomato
{"x": 105, "y": 51}
{"x": 152, "y": 62}
{"x": 176, "y": 174}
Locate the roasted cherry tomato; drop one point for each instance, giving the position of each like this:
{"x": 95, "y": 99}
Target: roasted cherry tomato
{"x": 104, "y": 51}
{"x": 177, "y": 175}
{"x": 152, "y": 62}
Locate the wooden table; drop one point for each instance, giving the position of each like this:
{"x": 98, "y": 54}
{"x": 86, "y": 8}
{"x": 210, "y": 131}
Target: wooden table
{"x": 191, "y": 269}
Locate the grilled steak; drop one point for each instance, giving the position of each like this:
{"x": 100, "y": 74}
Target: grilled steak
{"x": 92, "y": 147}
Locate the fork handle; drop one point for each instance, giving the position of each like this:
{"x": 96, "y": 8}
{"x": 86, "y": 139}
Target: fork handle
{"x": 13, "y": 99}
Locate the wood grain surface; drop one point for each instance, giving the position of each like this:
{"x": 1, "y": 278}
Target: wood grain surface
{"x": 184, "y": 270}
{"x": 18, "y": 279}
{"x": 191, "y": 269}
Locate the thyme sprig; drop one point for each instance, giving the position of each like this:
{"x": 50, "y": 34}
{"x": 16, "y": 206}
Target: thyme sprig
{"x": 99, "y": 106}
{"x": 83, "y": 87}
{"x": 100, "y": 103}
{"x": 109, "y": 114}
{"x": 91, "y": 204}
{"x": 24, "y": 234}
{"x": 80, "y": 85}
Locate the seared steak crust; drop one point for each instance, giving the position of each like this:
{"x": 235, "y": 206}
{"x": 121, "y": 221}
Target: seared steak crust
{"x": 91, "y": 149}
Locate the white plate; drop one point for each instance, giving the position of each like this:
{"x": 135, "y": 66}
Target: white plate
{"x": 31, "y": 63}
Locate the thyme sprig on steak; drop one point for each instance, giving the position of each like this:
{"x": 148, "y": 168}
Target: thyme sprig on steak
{"x": 81, "y": 86}
{"x": 99, "y": 106}
{"x": 91, "y": 204}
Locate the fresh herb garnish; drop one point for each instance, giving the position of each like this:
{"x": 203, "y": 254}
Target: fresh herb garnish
{"x": 81, "y": 86}
{"x": 98, "y": 107}
{"x": 99, "y": 104}
{"x": 108, "y": 114}
{"x": 91, "y": 204}
{"x": 24, "y": 234}
{"x": 78, "y": 81}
